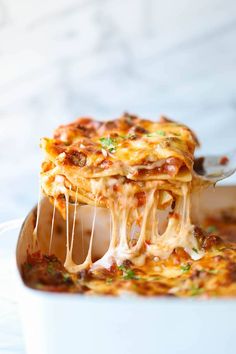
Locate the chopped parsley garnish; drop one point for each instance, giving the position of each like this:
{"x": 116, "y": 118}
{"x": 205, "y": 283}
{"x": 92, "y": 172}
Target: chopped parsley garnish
{"x": 109, "y": 144}
{"x": 127, "y": 273}
{"x": 122, "y": 267}
{"x": 109, "y": 280}
{"x": 195, "y": 250}
{"x": 157, "y": 132}
{"x": 185, "y": 267}
{"x": 50, "y": 268}
{"x": 196, "y": 290}
{"x": 211, "y": 229}
{"x": 66, "y": 277}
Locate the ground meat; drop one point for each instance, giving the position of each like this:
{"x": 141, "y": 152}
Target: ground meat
{"x": 210, "y": 241}
{"x": 138, "y": 130}
{"x": 110, "y": 125}
{"x": 76, "y": 158}
{"x": 170, "y": 167}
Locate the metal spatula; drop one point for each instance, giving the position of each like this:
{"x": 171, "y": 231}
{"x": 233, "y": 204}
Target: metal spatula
{"x": 214, "y": 168}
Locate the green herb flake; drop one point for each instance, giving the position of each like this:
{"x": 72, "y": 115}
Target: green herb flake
{"x": 28, "y": 266}
{"x": 195, "y": 250}
{"x": 127, "y": 273}
{"x": 122, "y": 267}
{"x": 185, "y": 268}
{"x": 196, "y": 290}
{"x": 211, "y": 229}
{"x": 50, "y": 269}
{"x": 157, "y": 132}
{"x": 161, "y": 132}
{"x": 109, "y": 144}
{"x": 213, "y": 271}
{"x": 109, "y": 280}
{"x": 66, "y": 277}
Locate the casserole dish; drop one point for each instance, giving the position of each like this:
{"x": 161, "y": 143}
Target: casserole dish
{"x": 56, "y": 323}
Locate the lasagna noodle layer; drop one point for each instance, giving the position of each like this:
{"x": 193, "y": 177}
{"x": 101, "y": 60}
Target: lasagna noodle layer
{"x": 57, "y": 182}
{"x": 134, "y": 210}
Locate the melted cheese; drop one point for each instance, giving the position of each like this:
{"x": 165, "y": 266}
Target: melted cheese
{"x": 35, "y": 232}
{"x": 52, "y": 228}
{"x": 148, "y": 243}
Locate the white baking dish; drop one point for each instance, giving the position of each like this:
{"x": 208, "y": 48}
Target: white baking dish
{"x": 71, "y": 323}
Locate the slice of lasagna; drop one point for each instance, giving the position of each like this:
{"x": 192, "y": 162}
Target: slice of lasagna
{"x": 137, "y": 168}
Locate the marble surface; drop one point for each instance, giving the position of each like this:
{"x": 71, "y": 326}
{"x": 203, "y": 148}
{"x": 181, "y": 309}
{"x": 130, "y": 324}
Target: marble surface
{"x": 65, "y": 58}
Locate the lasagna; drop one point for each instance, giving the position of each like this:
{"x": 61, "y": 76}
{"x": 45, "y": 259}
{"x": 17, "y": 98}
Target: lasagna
{"x": 140, "y": 170}
{"x": 214, "y": 275}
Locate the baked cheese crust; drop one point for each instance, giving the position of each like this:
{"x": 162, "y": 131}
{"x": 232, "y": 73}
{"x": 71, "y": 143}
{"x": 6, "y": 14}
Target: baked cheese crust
{"x": 128, "y": 146}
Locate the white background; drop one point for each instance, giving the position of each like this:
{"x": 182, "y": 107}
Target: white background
{"x": 60, "y": 59}
{"x": 63, "y": 58}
